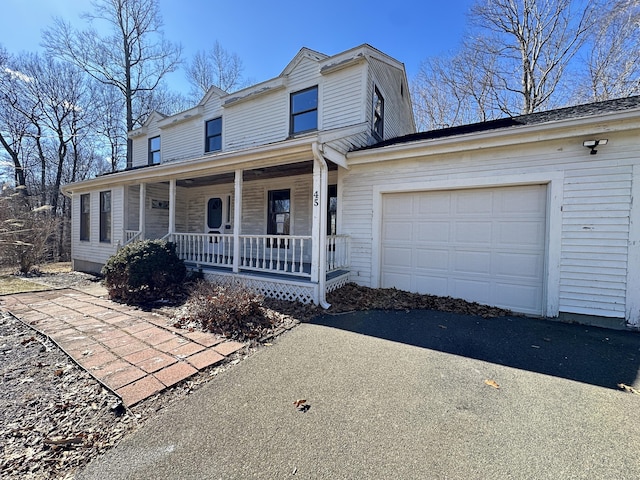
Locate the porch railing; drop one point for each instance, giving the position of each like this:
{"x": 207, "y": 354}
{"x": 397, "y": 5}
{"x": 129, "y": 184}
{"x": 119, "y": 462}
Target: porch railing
{"x": 131, "y": 236}
{"x": 282, "y": 254}
{"x": 204, "y": 248}
{"x": 337, "y": 252}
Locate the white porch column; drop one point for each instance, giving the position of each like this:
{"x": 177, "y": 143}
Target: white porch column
{"x": 172, "y": 205}
{"x": 315, "y": 222}
{"x": 319, "y": 225}
{"x": 237, "y": 220}
{"x": 142, "y": 210}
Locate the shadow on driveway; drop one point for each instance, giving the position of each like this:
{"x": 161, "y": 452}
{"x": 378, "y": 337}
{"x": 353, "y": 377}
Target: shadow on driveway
{"x": 585, "y": 354}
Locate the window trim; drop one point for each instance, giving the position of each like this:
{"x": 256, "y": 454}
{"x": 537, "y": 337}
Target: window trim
{"x": 105, "y": 217}
{"x": 208, "y": 137}
{"x": 85, "y": 217}
{"x": 153, "y": 152}
{"x": 293, "y": 115}
{"x": 377, "y": 117}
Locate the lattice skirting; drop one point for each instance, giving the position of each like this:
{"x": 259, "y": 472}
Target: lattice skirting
{"x": 272, "y": 288}
{"x": 336, "y": 283}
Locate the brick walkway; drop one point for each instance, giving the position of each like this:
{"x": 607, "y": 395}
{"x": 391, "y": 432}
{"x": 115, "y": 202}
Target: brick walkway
{"x": 134, "y": 353}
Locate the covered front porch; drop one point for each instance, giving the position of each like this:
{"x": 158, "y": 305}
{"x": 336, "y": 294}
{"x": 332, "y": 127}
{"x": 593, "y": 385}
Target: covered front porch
{"x": 273, "y": 227}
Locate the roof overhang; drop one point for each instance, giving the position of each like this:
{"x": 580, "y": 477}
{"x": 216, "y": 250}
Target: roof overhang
{"x": 288, "y": 151}
{"x": 504, "y": 137}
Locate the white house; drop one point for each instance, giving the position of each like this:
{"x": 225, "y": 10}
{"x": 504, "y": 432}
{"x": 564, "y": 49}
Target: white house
{"x": 317, "y": 177}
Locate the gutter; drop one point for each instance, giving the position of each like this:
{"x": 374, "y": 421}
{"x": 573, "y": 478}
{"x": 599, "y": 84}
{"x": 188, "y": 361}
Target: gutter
{"x": 320, "y": 162}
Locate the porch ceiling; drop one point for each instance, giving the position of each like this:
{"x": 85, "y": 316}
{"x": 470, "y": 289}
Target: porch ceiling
{"x": 277, "y": 171}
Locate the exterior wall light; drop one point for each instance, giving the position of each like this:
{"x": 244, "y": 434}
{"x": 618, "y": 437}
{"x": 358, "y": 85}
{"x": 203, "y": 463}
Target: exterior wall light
{"x": 592, "y": 144}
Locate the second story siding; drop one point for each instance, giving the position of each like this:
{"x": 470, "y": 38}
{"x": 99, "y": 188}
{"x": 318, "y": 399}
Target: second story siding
{"x": 261, "y": 114}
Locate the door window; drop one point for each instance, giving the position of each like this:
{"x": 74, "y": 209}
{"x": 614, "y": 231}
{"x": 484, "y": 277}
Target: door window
{"x": 214, "y": 213}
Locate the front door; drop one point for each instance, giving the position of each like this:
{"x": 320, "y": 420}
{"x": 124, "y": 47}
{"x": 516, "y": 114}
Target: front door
{"x": 218, "y": 216}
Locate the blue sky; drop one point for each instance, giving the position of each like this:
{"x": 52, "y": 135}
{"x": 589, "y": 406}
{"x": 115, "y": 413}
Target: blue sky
{"x": 267, "y": 35}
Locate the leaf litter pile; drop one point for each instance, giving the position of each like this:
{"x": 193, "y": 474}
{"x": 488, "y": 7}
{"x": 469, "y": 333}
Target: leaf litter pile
{"x": 55, "y": 417}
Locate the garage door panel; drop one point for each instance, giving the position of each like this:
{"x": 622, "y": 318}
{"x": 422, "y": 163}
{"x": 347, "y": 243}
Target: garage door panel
{"x": 518, "y": 265}
{"x": 522, "y": 200}
{"x": 394, "y": 257}
{"x": 398, "y": 231}
{"x": 520, "y": 298}
{"x": 473, "y": 232}
{"x": 530, "y": 233}
{"x": 434, "y": 205}
{"x": 398, "y": 205}
{"x": 432, "y": 285}
{"x": 437, "y": 231}
{"x": 433, "y": 259}
{"x": 472, "y": 262}
{"x": 485, "y": 245}
{"x": 474, "y": 202}
{"x": 397, "y": 280}
{"x": 473, "y": 290}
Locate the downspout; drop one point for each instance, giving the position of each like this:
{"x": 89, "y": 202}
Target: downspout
{"x": 320, "y": 162}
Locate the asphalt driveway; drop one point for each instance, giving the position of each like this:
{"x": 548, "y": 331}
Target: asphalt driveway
{"x": 404, "y": 395}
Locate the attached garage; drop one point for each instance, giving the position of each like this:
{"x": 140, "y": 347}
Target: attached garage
{"x": 481, "y": 244}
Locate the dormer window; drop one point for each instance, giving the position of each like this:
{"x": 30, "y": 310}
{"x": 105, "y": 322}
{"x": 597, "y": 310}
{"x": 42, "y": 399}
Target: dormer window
{"x": 304, "y": 110}
{"x": 378, "y": 114}
{"x": 154, "y": 151}
{"x": 213, "y": 132}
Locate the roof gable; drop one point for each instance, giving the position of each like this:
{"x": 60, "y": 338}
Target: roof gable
{"x": 304, "y": 53}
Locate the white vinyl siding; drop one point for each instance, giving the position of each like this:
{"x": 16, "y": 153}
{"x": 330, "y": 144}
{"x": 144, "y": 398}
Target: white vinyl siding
{"x": 183, "y": 141}
{"x": 342, "y": 99}
{"x": 595, "y": 238}
{"x": 93, "y": 250}
{"x": 262, "y": 120}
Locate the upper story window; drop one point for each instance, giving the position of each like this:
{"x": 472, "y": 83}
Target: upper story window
{"x": 213, "y": 134}
{"x": 304, "y": 110}
{"x": 378, "y": 114}
{"x": 154, "y": 151}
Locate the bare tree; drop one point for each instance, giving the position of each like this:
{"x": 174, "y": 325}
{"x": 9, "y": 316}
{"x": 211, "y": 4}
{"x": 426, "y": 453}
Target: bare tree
{"x": 614, "y": 57}
{"x": 454, "y": 90}
{"x": 134, "y": 58}
{"x": 533, "y": 41}
{"x": 215, "y": 67}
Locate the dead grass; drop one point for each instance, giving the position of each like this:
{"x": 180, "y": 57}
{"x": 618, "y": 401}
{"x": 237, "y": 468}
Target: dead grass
{"x": 11, "y": 284}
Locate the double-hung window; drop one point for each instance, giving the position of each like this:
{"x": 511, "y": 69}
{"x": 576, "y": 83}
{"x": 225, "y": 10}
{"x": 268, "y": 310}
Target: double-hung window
{"x": 105, "y": 216}
{"x": 154, "y": 151}
{"x": 304, "y": 110}
{"x": 213, "y": 135}
{"x": 378, "y": 114}
{"x": 85, "y": 216}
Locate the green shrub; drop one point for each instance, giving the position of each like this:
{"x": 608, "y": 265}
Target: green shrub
{"x": 230, "y": 310}
{"x": 144, "y": 271}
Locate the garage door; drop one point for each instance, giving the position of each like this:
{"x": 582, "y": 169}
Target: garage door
{"x": 485, "y": 245}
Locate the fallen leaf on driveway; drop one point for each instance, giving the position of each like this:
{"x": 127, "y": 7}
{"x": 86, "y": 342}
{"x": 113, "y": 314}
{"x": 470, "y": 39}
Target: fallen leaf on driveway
{"x": 492, "y": 383}
{"x": 628, "y": 388}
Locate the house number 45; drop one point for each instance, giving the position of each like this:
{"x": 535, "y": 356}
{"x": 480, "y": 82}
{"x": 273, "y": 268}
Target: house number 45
{"x": 316, "y": 199}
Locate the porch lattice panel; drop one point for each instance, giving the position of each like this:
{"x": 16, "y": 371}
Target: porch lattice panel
{"x": 269, "y": 288}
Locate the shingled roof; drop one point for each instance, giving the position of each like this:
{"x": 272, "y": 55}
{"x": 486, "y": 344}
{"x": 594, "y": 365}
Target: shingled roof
{"x": 577, "y": 111}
